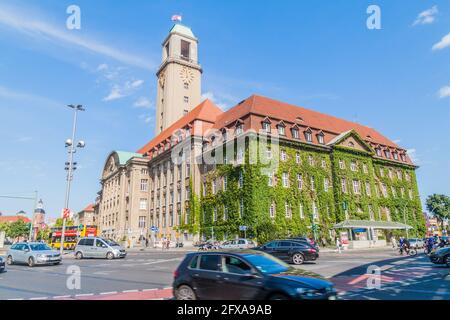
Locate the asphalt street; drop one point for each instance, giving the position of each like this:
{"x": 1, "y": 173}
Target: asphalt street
{"x": 149, "y": 274}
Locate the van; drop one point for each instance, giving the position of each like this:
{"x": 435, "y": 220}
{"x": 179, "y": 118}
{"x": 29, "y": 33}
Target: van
{"x": 95, "y": 247}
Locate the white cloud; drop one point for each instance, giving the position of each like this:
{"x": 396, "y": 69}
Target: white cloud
{"x": 146, "y": 117}
{"x": 102, "y": 67}
{"x": 114, "y": 94}
{"x": 444, "y": 92}
{"x": 37, "y": 28}
{"x": 135, "y": 84}
{"x": 220, "y": 102}
{"x": 445, "y": 42}
{"x": 143, "y": 102}
{"x": 412, "y": 153}
{"x": 427, "y": 16}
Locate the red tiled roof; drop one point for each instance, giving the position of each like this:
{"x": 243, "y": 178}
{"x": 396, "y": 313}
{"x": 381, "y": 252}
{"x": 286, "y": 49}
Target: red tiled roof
{"x": 206, "y": 111}
{"x": 89, "y": 208}
{"x": 4, "y": 219}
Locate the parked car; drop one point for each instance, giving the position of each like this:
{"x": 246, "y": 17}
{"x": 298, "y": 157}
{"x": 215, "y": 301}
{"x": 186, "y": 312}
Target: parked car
{"x": 2, "y": 264}
{"x": 292, "y": 251}
{"x": 238, "y": 244}
{"x": 308, "y": 240}
{"x": 441, "y": 256}
{"x": 245, "y": 275}
{"x": 416, "y": 243}
{"x": 32, "y": 253}
{"x": 95, "y": 247}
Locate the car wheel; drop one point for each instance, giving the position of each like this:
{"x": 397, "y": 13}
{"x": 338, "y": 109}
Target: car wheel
{"x": 109, "y": 256}
{"x": 278, "y": 296}
{"x": 298, "y": 258}
{"x": 447, "y": 260}
{"x": 79, "y": 255}
{"x": 9, "y": 261}
{"x": 31, "y": 262}
{"x": 185, "y": 292}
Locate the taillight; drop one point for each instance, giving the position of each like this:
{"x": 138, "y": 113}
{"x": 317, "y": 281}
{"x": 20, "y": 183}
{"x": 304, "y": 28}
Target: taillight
{"x": 176, "y": 273}
{"x": 311, "y": 250}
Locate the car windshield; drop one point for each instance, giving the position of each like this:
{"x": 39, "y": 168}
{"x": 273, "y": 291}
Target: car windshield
{"x": 39, "y": 247}
{"x": 111, "y": 242}
{"x": 267, "y": 264}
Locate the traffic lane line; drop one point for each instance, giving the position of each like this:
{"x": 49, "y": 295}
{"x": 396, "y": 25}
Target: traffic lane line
{"x": 133, "y": 295}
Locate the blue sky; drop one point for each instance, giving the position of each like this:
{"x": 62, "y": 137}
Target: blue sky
{"x": 317, "y": 54}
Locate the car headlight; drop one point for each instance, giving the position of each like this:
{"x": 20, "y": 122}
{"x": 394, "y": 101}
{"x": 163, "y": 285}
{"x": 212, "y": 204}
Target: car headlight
{"x": 308, "y": 292}
{"x": 40, "y": 256}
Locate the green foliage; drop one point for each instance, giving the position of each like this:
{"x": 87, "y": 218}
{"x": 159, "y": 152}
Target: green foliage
{"x": 439, "y": 206}
{"x": 17, "y": 229}
{"x": 59, "y": 223}
{"x": 43, "y": 234}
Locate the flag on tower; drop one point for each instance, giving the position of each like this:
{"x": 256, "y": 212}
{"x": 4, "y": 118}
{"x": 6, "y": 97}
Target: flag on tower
{"x": 177, "y": 18}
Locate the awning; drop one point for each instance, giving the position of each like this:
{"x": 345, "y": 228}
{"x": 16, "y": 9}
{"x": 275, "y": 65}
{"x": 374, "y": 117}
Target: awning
{"x": 349, "y": 224}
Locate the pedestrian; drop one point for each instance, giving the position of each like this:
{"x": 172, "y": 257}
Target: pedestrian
{"x": 168, "y": 244}
{"x": 338, "y": 245}
{"x": 146, "y": 242}
{"x": 163, "y": 243}
{"x": 401, "y": 243}
{"x": 394, "y": 242}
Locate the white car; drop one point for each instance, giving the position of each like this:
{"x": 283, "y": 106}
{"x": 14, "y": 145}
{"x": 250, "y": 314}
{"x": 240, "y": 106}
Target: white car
{"x": 238, "y": 244}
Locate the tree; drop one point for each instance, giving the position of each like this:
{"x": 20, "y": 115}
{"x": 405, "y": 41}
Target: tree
{"x": 59, "y": 223}
{"x": 439, "y": 206}
{"x": 17, "y": 229}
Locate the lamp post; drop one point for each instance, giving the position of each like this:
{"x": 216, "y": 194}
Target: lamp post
{"x": 70, "y": 166}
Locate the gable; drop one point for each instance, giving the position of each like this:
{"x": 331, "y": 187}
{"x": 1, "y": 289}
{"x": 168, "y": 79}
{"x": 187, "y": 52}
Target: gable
{"x": 352, "y": 140}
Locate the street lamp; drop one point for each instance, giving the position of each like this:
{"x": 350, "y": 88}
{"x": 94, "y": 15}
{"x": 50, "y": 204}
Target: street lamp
{"x": 70, "y": 166}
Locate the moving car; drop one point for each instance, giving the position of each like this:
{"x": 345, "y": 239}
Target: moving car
{"x": 2, "y": 264}
{"x": 238, "y": 244}
{"x": 245, "y": 275}
{"x": 95, "y": 247}
{"x": 292, "y": 251}
{"x": 308, "y": 240}
{"x": 32, "y": 253}
{"x": 441, "y": 256}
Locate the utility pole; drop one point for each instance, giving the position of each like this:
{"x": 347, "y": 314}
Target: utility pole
{"x": 404, "y": 220}
{"x": 70, "y": 167}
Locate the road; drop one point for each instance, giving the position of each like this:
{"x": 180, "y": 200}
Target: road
{"x": 148, "y": 275}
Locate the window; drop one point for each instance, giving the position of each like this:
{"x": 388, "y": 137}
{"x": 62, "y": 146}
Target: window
{"x": 214, "y": 214}
{"x": 365, "y": 168}
{"x": 225, "y": 183}
{"x": 407, "y": 177}
{"x": 214, "y": 186}
{"x": 142, "y": 220}
{"x": 312, "y": 183}
{"x": 144, "y": 171}
{"x": 324, "y": 164}
{"x": 300, "y": 181}
{"x": 344, "y": 185}
{"x": 402, "y": 192}
{"x": 266, "y": 127}
{"x": 188, "y": 193}
{"x": 378, "y": 152}
{"x": 297, "y": 158}
{"x": 341, "y": 164}
{"x": 387, "y": 153}
{"x": 186, "y": 99}
{"x": 311, "y": 160}
{"x": 287, "y": 210}
{"x": 353, "y": 166}
{"x": 241, "y": 208}
{"x": 210, "y": 262}
{"x": 371, "y": 214}
{"x": 225, "y": 213}
{"x": 295, "y": 133}
{"x": 239, "y": 129}
{"x": 272, "y": 210}
{"x": 403, "y": 157}
{"x": 236, "y": 266}
{"x": 144, "y": 184}
{"x": 356, "y": 187}
{"x": 368, "y": 190}
{"x": 302, "y": 214}
{"x": 281, "y": 130}
{"x": 241, "y": 180}
{"x": 270, "y": 179}
{"x": 395, "y": 154}
{"x": 269, "y": 153}
{"x": 315, "y": 211}
{"x": 384, "y": 190}
{"x": 410, "y": 193}
{"x": 382, "y": 172}
{"x": 240, "y": 156}
{"x": 185, "y": 49}
{"x": 186, "y": 85}
{"x": 143, "y": 204}
{"x": 167, "y": 49}
{"x": 390, "y": 173}
{"x": 320, "y": 138}
{"x": 283, "y": 155}
{"x": 285, "y": 179}
{"x": 308, "y": 136}
{"x": 326, "y": 184}
{"x": 399, "y": 175}
{"x": 187, "y": 217}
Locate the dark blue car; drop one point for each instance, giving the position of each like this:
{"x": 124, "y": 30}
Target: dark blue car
{"x": 245, "y": 275}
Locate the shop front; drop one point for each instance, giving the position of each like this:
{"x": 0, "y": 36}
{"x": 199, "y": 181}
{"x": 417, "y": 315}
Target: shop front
{"x": 356, "y": 234}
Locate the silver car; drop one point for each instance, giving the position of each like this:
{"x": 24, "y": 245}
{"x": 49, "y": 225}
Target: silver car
{"x": 32, "y": 253}
{"x": 94, "y": 247}
{"x": 238, "y": 244}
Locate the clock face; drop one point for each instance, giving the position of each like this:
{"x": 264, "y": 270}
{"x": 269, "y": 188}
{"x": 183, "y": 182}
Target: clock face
{"x": 162, "y": 79}
{"x": 187, "y": 75}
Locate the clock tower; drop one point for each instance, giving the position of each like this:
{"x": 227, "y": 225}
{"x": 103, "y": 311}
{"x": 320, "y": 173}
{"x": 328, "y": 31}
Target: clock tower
{"x": 179, "y": 77}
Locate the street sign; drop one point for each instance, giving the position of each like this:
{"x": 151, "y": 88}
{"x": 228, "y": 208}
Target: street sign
{"x": 66, "y": 213}
{"x": 242, "y": 228}
{"x": 154, "y": 229}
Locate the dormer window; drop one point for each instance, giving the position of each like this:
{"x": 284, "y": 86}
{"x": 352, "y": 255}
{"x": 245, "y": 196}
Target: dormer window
{"x": 295, "y": 134}
{"x": 320, "y": 138}
{"x": 266, "y": 126}
{"x": 239, "y": 128}
{"x": 281, "y": 129}
{"x": 395, "y": 154}
{"x": 403, "y": 157}
{"x": 308, "y": 135}
{"x": 387, "y": 153}
{"x": 378, "y": 151}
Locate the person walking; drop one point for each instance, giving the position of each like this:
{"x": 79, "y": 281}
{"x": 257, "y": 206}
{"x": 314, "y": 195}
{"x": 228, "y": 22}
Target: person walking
{"x": 401, "y": 243}
{"x": 394, "y": 242}
{"x": 338, "y": 245}
{"x": 146, "y": 242}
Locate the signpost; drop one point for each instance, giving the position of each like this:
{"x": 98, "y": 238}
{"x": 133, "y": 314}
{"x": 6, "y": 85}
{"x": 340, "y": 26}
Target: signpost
{"x": 243, "y": 228}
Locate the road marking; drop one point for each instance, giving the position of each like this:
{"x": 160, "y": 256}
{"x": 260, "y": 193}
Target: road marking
{"x": 130, "y": 291}
{"x": 39, "y": 298}
{"x": 167, "y": 288}
{"x": 17, "y": 299}
{"x": 84, "y": 295}
{"x": 163, "y": 260}
{"x": 146, "y": 290}
{"x": 111, "y": 292}
{"x": 61, "y": 297}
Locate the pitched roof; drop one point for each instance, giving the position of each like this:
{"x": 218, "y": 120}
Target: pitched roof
{"x": 206, "y": 111}
{"x": 124, "y": 156}
{"x": 182, "y": 29}
{"x": 4, "y": 219}
{"x": 283, "y": 111}
{"x": 89, "y": 208}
